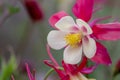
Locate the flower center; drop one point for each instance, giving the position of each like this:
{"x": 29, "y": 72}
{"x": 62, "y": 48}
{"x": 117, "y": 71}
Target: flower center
{"x": 73, "y": 39}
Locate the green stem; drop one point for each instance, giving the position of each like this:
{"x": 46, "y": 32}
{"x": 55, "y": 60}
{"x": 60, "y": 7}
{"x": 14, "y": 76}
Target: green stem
{"x": 50, "y": 71}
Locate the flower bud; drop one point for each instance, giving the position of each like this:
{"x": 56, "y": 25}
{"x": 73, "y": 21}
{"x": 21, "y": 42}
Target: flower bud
{"x": 117, "y": 68}
{"x": 34, "y": 10}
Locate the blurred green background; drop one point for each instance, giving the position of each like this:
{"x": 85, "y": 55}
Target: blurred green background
{"x": 28, "y": 38}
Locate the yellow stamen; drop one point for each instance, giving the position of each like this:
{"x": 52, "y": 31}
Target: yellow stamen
{"x": 73, "y": 39}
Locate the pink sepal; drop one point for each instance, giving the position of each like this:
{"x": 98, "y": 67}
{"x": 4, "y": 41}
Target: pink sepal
{"x": 101, "y": 56}
{"x": 83, "y": 9}
{"x": 88, "y": 70}
{"x": 95, "y": 21}
{"x": 55, "y": 17}
{"x": 110, "y": 31}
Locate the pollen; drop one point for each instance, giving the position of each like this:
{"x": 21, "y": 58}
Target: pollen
{"x": 73, "y": 39}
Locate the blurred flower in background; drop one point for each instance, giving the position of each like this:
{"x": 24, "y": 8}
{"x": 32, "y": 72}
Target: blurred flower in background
{"x": 30, "y": 75}
{"x": 117, "y": 68}
{"x": 34, "y": 9}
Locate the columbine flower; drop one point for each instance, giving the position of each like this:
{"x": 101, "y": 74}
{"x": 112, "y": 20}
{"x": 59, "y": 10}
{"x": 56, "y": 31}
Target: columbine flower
{"x": 76, "y": 36}
{"x": 70, "y": 72}
{"x": 79, "y": 37}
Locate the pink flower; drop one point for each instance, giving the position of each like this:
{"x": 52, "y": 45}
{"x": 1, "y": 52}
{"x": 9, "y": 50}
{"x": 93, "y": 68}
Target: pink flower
{"x": 70, "y": 72}
{"x": 85, "y": 32}
{"x": 76, "y": 36}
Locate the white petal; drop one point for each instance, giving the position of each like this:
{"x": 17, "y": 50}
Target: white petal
{"x": 65, "y": 24}
{"x": 72, "y": 55}
{"x": 89, "y": 47}
{"x": 56, "y": 39}
{"x": 83, "y": 24}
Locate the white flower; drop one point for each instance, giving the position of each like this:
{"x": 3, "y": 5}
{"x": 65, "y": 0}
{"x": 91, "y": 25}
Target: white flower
{"x": 75, "y": 37}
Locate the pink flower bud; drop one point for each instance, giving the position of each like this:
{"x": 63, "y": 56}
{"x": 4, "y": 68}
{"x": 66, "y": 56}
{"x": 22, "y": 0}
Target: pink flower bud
{"x": 34, "y": 10}
{"x": 118, "y": 64}
{"x": 117, "y": 68}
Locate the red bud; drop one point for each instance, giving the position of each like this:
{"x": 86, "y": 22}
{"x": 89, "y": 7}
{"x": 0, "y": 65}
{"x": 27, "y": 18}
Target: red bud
{"x": 34, "y": 10}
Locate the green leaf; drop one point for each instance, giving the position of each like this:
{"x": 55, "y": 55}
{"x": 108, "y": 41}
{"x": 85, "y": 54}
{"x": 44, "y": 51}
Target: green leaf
{"x": 13, "y": 10}
{"x": 8, "y": 68}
